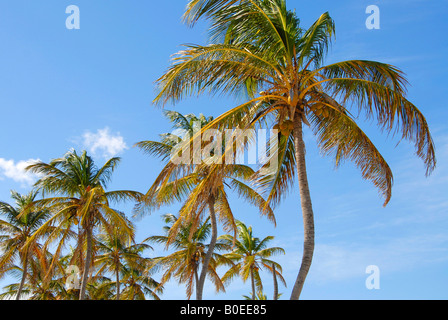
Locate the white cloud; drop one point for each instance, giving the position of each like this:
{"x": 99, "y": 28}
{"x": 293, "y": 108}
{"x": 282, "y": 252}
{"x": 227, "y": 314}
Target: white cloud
{"x": 104, "y": 143}
{"x": 16, "y": 171}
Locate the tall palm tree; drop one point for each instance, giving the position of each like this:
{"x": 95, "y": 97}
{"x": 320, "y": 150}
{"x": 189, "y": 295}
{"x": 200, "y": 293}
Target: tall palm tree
{"x": 117, "y": 251}
{"x": 22, "y": 220}
{"x": 80, "y": 198}
{"x": 189, "y": 252}
{"x": 203, "y": 184}
{"x": 259, "y": 49}
{"x": 250, "y": 256}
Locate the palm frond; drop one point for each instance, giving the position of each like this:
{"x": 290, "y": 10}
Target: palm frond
{"x": 339, "y": 136}
{"x": 316, "y": 40}
{"x": 216, "y": 68}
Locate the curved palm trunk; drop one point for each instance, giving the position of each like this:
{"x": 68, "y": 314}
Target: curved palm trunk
{"x": 253, "y": 282}
{"x": 211, "y": 248}
{"x": 275, "y": 283}
{"x": 85, "y": 275}
{"x": 307, "y": 211}
{"x": 24, "y": 274}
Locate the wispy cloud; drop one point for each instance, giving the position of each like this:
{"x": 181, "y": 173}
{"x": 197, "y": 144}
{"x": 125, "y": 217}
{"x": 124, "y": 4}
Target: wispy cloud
{"x": 104, "y": 143}
{"x": 9, "y": 169}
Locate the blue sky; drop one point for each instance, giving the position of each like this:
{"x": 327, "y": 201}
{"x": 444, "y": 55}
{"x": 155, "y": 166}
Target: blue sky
{"x": 62, "y": 89}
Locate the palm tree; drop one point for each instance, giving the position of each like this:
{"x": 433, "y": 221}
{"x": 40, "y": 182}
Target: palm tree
{"x": 39, "y": 285}
{"x": 189, "y": 251}
{"x": 250, "y": 256}
{"x": 116, "y": 251}
{"x": 101, "y": 288}
{"x": 46, "y": 282}
{"x": 258, "y": 49}
{"x": 203, "y": 184}
{"x": 80, "y": 198}
{"x": 139, "y": 284}
{"x": 22, "y": 220}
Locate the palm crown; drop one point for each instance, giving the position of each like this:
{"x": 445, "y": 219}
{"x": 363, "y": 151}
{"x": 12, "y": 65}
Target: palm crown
{"x": 275, "y": 69}
{"x": 119, "y": 254}
{"x": 190, "y": 251}
{"x": 204, "y": 186}
{"x": 80, "y": 198}
{"x": 250, "y": 255}
{"x": 22, "y": 221}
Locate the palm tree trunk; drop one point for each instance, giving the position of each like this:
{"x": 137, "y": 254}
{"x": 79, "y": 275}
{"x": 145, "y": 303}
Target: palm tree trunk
{"x": 85, "y": 275}
{"x": 196, "y": 278}
{"x": 117, "y": 276}
{"x": 211, "y": 248}
{"x": 307, "y": 210}
{"x": 275, "y": 282}
{"x": 78, "y": 258}
{"x": 253, "y": 282}
{"x": 24, "y": 274}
